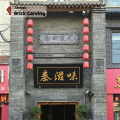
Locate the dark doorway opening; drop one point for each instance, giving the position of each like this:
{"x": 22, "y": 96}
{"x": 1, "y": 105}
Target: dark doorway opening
{"x": 58, "y": 112}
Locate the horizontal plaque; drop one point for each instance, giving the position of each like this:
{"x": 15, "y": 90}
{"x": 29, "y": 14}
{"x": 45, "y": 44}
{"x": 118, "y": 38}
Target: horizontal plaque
{"x": 58, "y": 75}
{"x": 63, "y": 55}
{"x": 58, "y": 38}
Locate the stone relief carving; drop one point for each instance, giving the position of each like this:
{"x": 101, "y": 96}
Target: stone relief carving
{"x": 58, "y": 38}
{"x": 99, "y": 66}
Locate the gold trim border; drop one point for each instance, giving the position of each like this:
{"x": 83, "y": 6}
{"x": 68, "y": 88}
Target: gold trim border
{"x": 58, "y": 83}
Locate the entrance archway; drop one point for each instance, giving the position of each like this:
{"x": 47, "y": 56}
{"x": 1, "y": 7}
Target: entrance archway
{"x": 58, "y": 110}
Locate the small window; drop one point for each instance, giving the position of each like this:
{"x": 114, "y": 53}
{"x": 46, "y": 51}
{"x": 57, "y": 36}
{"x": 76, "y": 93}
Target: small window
{"x": 111, "y": 3}
{"x": 115, "y": 47}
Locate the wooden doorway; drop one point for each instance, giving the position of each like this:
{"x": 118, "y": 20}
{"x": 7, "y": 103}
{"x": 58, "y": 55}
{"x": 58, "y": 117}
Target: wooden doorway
{"x": 58, "y": 110}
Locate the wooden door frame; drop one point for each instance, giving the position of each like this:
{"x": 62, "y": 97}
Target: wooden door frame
{"x": 58, "y": 103}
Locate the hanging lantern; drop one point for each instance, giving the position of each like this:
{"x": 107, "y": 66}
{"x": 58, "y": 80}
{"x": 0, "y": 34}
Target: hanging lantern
{"x": 30, "y": 49}
{"x": 86, "y": 64}
{"x": 85, "y": 47}
{"x": 85, "y": 30}
{"x": 85, "y": 38}
{"x": 30, "y": 31}
{"x": 30, "y": 39}
{"x": 85, "y": 22}
{"x": 30, "y": 57}
{"x": 30, "y": 23}
{"x": 29, "y": 66}
{"x": 85, "y": 56}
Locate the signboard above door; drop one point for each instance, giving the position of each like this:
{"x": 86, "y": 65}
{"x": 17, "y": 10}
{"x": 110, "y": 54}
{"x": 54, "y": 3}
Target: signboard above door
{"x": 58, "y": 75}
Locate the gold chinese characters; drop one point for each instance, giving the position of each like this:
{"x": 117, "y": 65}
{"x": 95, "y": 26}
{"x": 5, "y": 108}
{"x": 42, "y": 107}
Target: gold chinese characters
{"x": 118, "y": 81}
{"x": 58, "y": 76}
{"x": 118, "y": 78}
{"x": 44, "y": 76}
{"x": 72, "y": 76}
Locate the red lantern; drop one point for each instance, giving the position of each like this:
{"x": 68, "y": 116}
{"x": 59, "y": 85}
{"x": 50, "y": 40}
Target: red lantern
{"x": 85, "y": 30}
{"x": 30, "y": 57}
{"x": 30, "y": 39}
{"x": 86, "y": 64}
{"x": 85, "y": 38}
{"x": 85, "y": 56}
{"x": 30, "y": 31}
{"x": 85, "y": 47}
{"x": 85, "y": 22}
{"x": 30, "y": 49}
{"x": 29, "y": 66}
{"x": 30, "y": 23}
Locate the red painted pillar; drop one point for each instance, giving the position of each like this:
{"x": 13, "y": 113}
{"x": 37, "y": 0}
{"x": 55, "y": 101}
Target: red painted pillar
{"x": 4, "y": 114}
{"x": 110, "y": 114}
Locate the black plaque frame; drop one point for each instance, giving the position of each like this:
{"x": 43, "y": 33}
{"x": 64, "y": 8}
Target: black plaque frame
{"x": 38, "y": 70}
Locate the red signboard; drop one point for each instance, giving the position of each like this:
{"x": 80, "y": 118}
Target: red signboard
{"x": 113, "y": 81}
{"x": 4, "y": 76}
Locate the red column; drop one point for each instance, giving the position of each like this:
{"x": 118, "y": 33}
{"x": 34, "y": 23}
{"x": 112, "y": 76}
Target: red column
{"x": 110, "y": 114}
{"x": 4, "y": 114}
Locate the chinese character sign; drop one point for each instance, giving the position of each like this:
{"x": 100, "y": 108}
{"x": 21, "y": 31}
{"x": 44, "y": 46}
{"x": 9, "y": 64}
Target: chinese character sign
{"x": 118, "y": 81}
{"x": 58, "y": 75}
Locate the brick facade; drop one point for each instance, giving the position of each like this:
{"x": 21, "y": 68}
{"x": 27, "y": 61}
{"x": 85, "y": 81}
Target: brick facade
{"x": 22, "y": 80}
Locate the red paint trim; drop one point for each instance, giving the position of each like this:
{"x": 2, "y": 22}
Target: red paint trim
{"x": 110, "y": 113}
{"x": 4, "y": 113}
{"x": 112, "y": 81}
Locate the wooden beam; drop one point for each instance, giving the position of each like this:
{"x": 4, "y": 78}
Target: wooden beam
{"x": 68, "y": 6}
{"x": 84, "y": 6}
{"x": 95, "y": 5}
{"x": 80, "y": 6}
{"x": 76, "y": 6}
{"x": 92, "y": 6}
{"x": 49, "y": 6}
{"x": 72, "y": 6}
{"x": 64, "y": 6}
{"x": 61, "y": 6}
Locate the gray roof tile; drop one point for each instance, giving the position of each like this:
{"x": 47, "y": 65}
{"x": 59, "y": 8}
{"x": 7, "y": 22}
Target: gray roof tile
{"x": 66, "y": 2}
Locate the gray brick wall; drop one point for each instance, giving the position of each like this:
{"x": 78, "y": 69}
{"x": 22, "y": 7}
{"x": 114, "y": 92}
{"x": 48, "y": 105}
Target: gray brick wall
{"x": 16, "y": 81}
{"x": 22, "y": 80}
{"x": 98, "y": 84}
{"x": 58, "y": 22}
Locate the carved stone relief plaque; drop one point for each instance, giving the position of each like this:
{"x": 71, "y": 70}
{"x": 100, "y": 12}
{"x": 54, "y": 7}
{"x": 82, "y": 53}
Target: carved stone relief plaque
{"x": 16, "y": 65}
{"x": 58, "y": 38}
{"x": 99, "y": 66}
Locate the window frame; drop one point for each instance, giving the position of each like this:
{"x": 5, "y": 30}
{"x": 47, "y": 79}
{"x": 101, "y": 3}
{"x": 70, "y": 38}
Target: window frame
{"x": 109, "y": 31}
{"x": 112, "y": 48}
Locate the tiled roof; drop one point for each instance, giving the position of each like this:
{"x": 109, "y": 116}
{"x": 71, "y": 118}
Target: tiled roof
{"x": 65, "y": 2}
{"x": 4, "y": 59}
